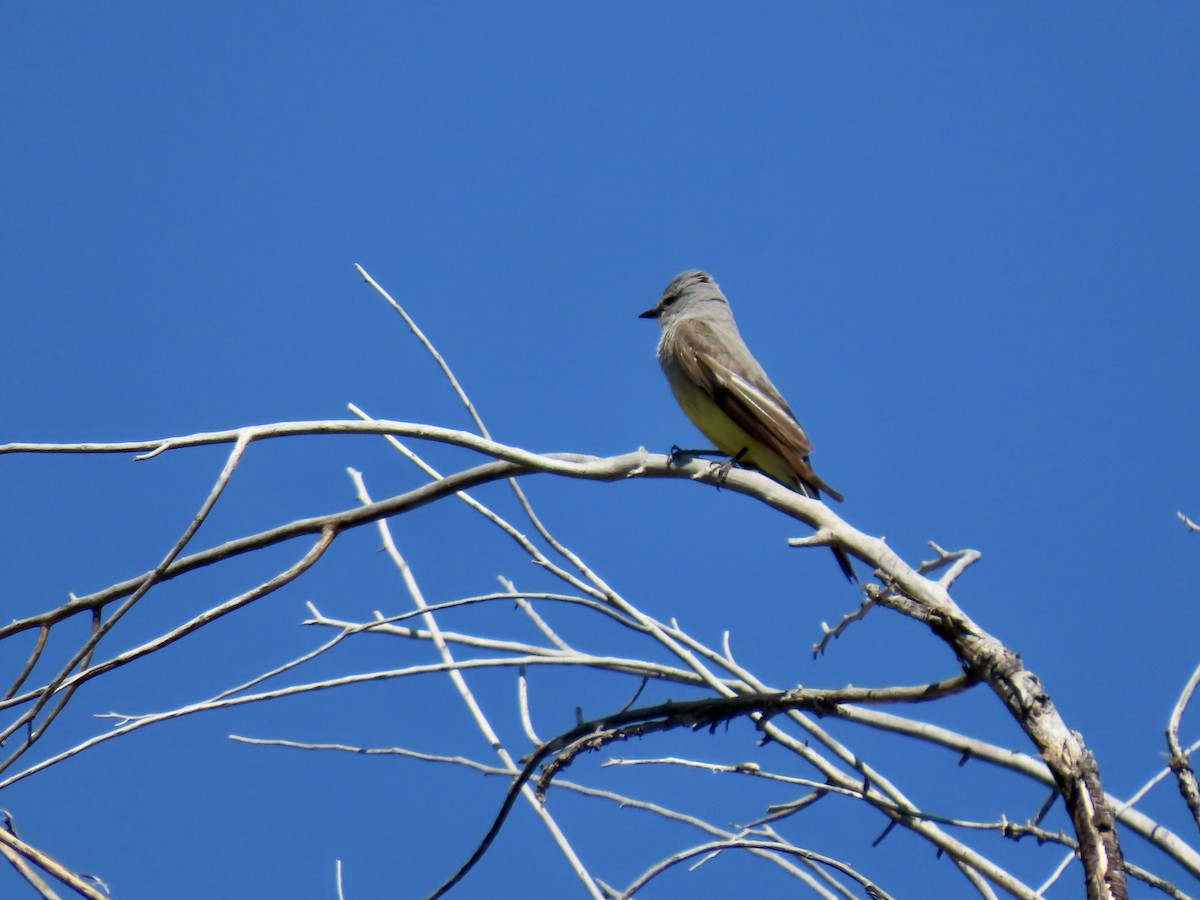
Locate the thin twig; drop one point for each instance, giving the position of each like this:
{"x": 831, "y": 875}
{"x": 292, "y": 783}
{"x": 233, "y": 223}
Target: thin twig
{"x": 873, "y": 890}
{"x": 85, "y": 651}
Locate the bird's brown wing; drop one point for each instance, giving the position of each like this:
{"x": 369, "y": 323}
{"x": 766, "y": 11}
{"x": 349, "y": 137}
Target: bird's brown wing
{"x": 754, "y": 404}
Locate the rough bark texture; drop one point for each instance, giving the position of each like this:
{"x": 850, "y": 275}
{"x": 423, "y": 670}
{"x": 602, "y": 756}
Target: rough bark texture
{"x": 1072, "y": 764}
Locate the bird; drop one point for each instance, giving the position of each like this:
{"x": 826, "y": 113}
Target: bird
{"x": 726, "y": 394}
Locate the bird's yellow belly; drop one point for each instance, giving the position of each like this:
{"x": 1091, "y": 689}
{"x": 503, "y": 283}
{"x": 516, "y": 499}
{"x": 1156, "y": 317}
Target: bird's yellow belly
{"x": 728, "y": 436}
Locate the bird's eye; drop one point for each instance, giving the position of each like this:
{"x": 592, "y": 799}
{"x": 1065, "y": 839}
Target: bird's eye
{"x": 667, "y": 301}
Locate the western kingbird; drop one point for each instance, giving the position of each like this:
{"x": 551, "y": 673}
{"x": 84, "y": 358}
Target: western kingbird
{"x": 725, "y": 392}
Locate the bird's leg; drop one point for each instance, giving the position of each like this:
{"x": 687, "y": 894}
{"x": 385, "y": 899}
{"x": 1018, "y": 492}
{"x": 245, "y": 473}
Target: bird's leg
{"x": 677, "y": 452}
{"x": 721, "y": 470}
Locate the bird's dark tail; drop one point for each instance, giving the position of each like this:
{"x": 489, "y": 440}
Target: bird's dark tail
{"x": 812, "y": 484}
{"x": 832, "y": 493}
{"x": 814, "y": 490}
{"x": 844, "y": 562}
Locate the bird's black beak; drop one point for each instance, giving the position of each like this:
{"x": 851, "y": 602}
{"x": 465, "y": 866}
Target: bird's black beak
{"x": 651, "y": 313}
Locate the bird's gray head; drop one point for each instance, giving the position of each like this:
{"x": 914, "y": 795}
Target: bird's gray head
{"x": 689, "y": 292}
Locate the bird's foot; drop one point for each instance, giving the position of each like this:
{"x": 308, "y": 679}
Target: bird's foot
{"x": 720, "y": 471}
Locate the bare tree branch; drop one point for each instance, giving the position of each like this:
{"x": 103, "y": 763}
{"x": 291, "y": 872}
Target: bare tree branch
{"x": 794, "y": 721}
{"x": 873, "y": 890}
{"x": 706, "y": 713}
{"x": 1180, "y": 762}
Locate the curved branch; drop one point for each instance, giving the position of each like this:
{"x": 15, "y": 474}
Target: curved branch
{"x": 695, "y": 714}
{"x": 1179, "y": 761}
{"x": 873, "y": 890}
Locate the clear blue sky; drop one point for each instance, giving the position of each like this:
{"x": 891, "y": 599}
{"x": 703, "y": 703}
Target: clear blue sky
{"x": 963, "y": 241}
